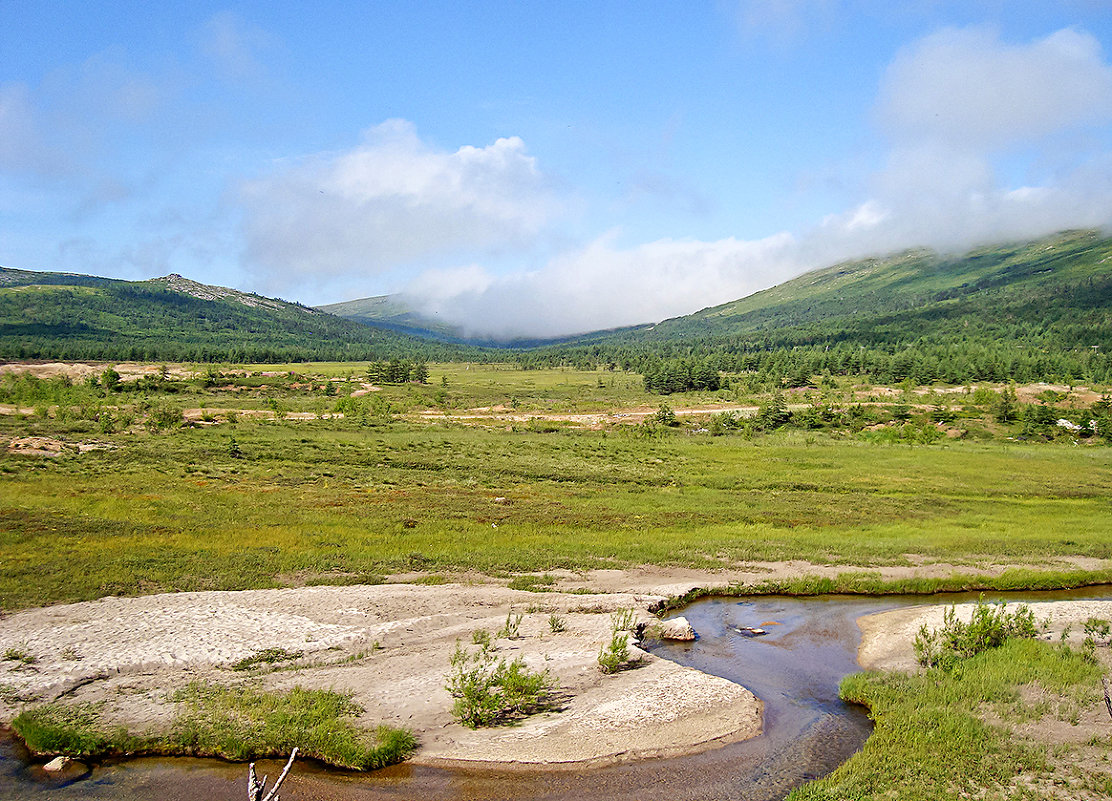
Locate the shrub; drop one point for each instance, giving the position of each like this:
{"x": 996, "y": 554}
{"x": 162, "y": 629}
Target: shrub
{"x": 1097, "y": 627}
{"x": 989, "y": 627}
{"x": 613, "y": 656}
{"x": 481, "y": 637}
{"x": 623, "y": 619}
{"x": 267, "y": 656}
{"x": 665, "y": 416}
{"x": 556, "y": 624}
{"x": 163, "y": 417}
{"x": 488, "y": 690}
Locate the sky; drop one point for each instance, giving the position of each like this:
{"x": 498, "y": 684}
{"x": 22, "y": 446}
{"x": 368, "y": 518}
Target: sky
{"x": 541, "y": 169}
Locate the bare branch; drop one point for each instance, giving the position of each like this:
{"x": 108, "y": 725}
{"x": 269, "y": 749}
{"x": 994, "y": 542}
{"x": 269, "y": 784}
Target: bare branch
{"x": 255, "y": 788}
{"x": 273, "y": 794}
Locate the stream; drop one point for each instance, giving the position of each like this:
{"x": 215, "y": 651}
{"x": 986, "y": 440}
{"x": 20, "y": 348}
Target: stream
{"x": 795, "y": 668}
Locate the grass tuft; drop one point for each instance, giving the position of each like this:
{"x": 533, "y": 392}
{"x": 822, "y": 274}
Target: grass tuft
{"x": 242, "y": 723}
{"x": 267, "y": 656}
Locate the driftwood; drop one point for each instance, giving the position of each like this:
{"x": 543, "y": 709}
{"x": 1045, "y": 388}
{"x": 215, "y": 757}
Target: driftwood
{"x": 256, "y": 788}
{"x": 1107, "y": 697}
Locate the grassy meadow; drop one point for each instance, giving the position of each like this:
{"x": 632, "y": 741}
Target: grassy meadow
{"x": 233, "y": 501}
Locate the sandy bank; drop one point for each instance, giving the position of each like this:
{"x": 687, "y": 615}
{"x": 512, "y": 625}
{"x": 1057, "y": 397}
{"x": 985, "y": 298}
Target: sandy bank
{"x": 388, "y": 645}
{"x": 887, "y": 638}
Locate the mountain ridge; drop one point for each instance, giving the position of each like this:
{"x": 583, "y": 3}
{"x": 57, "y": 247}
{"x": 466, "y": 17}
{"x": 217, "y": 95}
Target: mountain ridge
{"x": 172, "y": 318}
{"x": 1036, "y": 308}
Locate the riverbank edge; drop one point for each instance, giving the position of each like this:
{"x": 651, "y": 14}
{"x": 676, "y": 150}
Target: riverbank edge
{"x": 859, "y": 583}
{"x": 872, "y": 584}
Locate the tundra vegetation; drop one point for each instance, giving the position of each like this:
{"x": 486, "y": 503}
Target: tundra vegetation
{"x": 194, "y": 477}
{"x": 963, "y": 726}
{"x": 233, "y": 477}
{"x": 487, "y": 690}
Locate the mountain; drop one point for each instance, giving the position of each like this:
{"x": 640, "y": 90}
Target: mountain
{"x": 871, "y": 297}
{"x": 389, "y": 312}
{"x": 1028, "y": 311}
{"x": 71, "y": 316}
{"x": 1033, "y": 310}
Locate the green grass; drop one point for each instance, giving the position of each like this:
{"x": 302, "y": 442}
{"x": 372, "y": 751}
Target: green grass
{"x": 238, "y": 723}
{"x": 931, "y": 740}
{"x": 74, "y": 730}
{"x": 342, "y": 501}
{"x": 241, "y": 723}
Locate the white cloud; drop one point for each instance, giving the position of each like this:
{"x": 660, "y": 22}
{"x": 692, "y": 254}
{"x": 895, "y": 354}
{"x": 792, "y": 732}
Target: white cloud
{"x": 967, "y": 88}
{"x": 390, "y": 201}
{"x": 785, "y": 21}
{"x": 957, "y": 105}
{"x": 62, "y": 127}
{"x": 604, "y": 286}
{"x": 19, "y": 141}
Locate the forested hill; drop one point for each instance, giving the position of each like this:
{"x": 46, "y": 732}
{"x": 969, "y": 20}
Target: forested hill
{"x": 69, "y": 316}
{"x": 1039, "y": 310}
{"x": 1033, "y": 311}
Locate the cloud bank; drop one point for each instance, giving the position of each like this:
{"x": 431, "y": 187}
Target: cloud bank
{"x": 604, "y": 286}
{"x": 990, "y": 140}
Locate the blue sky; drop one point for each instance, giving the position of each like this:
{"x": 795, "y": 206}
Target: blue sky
{"x": 541, "y": 168}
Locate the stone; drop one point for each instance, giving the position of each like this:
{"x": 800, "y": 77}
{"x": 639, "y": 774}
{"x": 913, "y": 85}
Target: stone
{"x": 58, "y": 764}
{"x": 676, "y": 629}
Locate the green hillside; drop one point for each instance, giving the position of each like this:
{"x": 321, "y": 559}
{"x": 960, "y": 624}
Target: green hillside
{"x": 386, "y": 311}
{"x": 1033, "y": 311}
{"x": 837, "y": 297}
{"x": 67, "y": 316}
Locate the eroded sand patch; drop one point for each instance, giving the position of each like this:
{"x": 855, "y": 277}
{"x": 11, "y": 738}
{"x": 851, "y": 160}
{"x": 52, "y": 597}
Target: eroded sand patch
{"x": 388, "y": 645}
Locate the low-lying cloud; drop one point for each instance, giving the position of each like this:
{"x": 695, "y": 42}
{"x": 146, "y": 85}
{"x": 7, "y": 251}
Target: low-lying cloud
{"x": 968, "y": 89}
{"x": 604, "y": 286}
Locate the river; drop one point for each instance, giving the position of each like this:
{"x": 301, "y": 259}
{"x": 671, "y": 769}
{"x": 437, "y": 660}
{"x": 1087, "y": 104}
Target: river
{"x": 795, "y": 668}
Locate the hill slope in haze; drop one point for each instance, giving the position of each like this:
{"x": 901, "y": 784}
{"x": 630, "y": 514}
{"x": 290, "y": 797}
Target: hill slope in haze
{"x": 1030, "y": 311}
{"x": 389, "y": 312}
{"x": 69, "y": 316}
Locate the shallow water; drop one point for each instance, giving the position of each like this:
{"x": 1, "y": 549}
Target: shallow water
{"x": 794, "y": 669}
